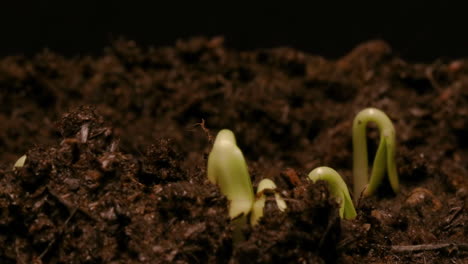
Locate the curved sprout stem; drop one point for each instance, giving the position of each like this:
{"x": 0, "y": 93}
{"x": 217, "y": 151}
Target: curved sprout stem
{"x": 384, "y": 158}
{"x": 338, "y": 189}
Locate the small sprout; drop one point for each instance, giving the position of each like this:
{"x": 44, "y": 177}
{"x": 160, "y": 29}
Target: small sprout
{"x": 20, "y": 162}
{"x": 257, "y": 210}
{"x": 227, "y": 169}
{"x": 384, "y": 159}
{"x": 338, "y": 189}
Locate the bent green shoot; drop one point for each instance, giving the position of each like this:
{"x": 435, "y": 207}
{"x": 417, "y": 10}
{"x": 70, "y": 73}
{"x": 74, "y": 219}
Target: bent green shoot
{"x": 338, "y": 189}
{"x": 384, "y": 160}
{"x": 227, "y": 168}
{"x": 257, "y": 209}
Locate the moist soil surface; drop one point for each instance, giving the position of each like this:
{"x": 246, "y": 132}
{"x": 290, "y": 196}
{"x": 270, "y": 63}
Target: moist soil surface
{"x": 117, "y": 150}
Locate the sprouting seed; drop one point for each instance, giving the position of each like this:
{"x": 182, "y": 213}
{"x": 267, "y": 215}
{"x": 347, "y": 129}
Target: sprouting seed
{"x": 20, "y": 162}
{"x": 259, "y": 204}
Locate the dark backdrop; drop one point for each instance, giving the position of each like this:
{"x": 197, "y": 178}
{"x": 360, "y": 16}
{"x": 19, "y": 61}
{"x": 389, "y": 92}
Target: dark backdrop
{"x": 417, "y": 30}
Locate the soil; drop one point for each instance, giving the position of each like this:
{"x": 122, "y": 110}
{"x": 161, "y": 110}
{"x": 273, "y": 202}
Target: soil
{"x": 117, "y": 148}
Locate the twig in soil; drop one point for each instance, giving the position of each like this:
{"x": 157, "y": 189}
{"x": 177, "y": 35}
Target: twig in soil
{"x": 61, "y": 230}
{"x": 429, "y": 247}
{"x": 384, "y": 158}
{"x": 454, "y": 212}
{"x": 69, "y": 205}
{"x": 206, "y": 130}
{"x": 325, "y": 234}
{"x": 84, "y": 132}
{"x": 114, "y": 145}
{"x": 338, "y": 189}
{"x": 347, "y": 241}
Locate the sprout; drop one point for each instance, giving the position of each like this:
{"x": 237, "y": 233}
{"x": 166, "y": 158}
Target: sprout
{"x": 227, "y": 169}
{"x": 257, "y": 210}
{"x": 20, "y": 162}
{"x": 384, "y": 159}
{"x": 338, "y": 189}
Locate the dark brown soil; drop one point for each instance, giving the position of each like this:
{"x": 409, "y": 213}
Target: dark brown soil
{"x": 117, "y": 149}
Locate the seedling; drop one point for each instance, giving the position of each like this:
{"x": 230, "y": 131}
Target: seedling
{"x": 20, "y": 162}
{"x": 257, "y": 210}
{"x": 384, "y": 159}
{"x": 338, "y": 189}
{"x": 227, "y": 169}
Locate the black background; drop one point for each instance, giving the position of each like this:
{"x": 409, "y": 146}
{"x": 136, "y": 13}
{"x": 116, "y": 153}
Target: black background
{"x": 417, "y": 30}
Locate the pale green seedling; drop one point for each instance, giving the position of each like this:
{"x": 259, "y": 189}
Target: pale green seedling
{"x": 384, "y": 160}
{"x": 227, "y": 168}
{"x": 259, "y": 204}
{"x": 338, "y": 189}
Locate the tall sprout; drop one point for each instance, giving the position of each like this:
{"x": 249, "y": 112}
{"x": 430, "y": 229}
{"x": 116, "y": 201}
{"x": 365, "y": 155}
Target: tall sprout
{"x": 227, "y": 168}
{"x": 384, "y": 160}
